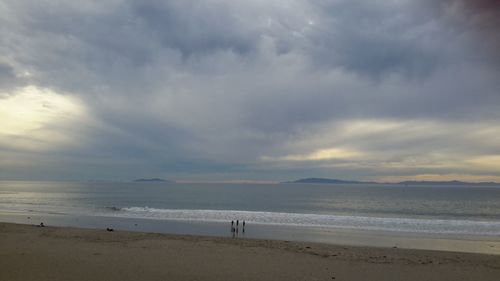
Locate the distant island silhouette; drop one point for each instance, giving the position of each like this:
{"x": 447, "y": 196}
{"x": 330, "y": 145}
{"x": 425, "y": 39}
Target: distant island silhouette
{"x": 452, "y": 182}
{"x": 328, "y": 181}
{"x": 338, "y": 181}
{"x": 152, "y": 180}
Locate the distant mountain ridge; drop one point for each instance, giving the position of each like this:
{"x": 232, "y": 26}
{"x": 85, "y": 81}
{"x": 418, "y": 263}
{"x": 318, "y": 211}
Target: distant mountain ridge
{"x": 337, "y": 181}
{"x": 324, "y": 180}
{"x": 453, "y": 182}
{"x": 152, "y": 180}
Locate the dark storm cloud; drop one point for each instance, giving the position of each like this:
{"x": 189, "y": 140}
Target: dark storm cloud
{"x": 479, "y": 18}
{"x": 9, "y": 78}
{"x": 194, "y": 27}
{"x": 203, "y": 86}
{"x": 377, "y": 38}
{"x": 7, "y": 75}
{"x": 481, "y": 14}
{"x": 6, "y": 72}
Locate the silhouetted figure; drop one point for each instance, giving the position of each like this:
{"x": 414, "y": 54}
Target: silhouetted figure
{"x": 109, "y": 229}
{"x": 237, "y": 223}
{"x": 243, "y": 226}
{"x": 232, "y": 223}
{"x": 42, "y": 225}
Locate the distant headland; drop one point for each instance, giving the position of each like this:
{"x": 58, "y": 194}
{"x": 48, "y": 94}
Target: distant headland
{"x": 327, "y": 181}
{"x": 338, "y": 181}
{"x": 453, "y": 182}
{"x": 152, "y": 180}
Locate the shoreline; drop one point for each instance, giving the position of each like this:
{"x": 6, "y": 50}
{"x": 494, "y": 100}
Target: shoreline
{"x": 334, "y": 236}
{"x": 65, "y": 253}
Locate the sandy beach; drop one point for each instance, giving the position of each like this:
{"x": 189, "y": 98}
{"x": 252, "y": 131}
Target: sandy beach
{"x": 54, "y": 253}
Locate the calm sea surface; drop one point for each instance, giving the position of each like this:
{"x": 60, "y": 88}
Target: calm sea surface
{"x": 467, "y": 210}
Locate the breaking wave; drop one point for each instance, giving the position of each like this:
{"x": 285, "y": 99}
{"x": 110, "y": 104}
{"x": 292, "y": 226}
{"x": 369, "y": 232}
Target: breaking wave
{"x": 444, "y": 226}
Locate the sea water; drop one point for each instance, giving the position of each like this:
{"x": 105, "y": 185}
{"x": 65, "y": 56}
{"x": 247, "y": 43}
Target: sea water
{"x": 454, "y": 210}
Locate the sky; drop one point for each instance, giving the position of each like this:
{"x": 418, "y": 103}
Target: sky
{"x": 259, "y": 90}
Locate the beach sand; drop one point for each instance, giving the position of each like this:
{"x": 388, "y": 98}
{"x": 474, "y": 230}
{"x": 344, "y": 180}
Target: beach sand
{"x": 55, "y": 253}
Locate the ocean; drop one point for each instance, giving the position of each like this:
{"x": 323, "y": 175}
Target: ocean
{"x": 189, "y": 208}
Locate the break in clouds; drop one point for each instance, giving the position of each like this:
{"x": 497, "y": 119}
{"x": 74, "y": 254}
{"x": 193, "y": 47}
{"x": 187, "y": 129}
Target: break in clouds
{"x": 259, "y": 90}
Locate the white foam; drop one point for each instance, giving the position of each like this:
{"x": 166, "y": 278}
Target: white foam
{"x": 444, "y": 226}
{"x": 398, "y": 224}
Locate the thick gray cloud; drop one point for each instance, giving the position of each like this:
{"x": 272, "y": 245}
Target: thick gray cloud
{"x": 235, "y": 89}
{"x": 7, "y": 76}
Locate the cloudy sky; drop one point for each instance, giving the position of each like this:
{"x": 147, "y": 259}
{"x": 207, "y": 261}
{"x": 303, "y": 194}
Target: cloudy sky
{"x": 269, "y": 90}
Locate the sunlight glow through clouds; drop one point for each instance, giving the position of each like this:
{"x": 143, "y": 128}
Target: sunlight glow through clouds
{"x": 29, "y": 115}
{"x": 441, "y": 177}
{"x": 398, "y": 146}
{"x": 488, "y": 162}
{"x": 318, "y": 155}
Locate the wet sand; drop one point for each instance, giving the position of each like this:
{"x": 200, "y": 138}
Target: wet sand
{"x": 56, "y": 253}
